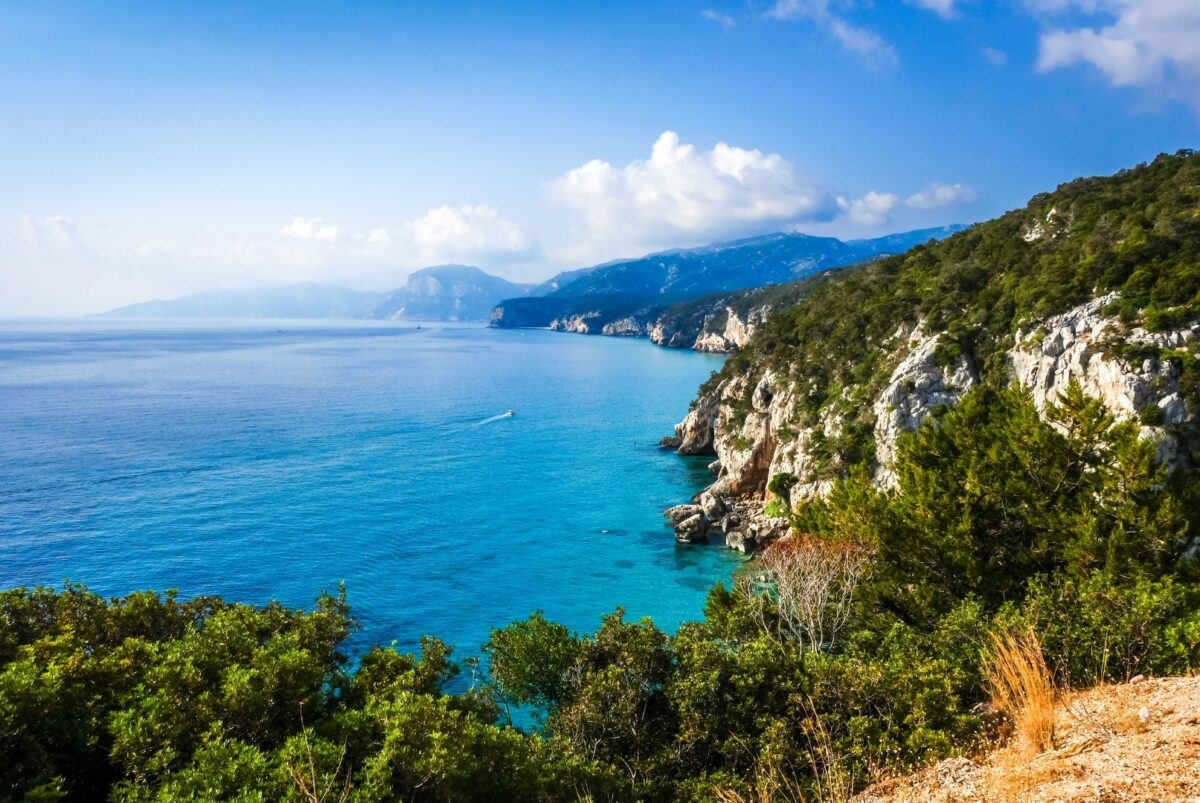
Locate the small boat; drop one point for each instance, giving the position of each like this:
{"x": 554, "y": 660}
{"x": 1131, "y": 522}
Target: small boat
{"x": 510, "y": 414}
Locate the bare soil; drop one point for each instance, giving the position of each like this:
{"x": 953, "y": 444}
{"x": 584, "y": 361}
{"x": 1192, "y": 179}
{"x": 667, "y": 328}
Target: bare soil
{"x": 1136, "y": 741}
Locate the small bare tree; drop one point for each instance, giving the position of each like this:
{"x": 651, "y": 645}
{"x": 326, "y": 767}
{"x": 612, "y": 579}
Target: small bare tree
{"x": 812, "y": 582}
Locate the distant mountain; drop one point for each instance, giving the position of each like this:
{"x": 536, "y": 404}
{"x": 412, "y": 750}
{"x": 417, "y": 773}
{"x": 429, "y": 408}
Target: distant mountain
{"x": 610, "y": 292}
{"x": 441, "y": 293}
{"x": 902, "y": 241}
{"x": 294, "y": 301}
{"x": 446, "y": 293}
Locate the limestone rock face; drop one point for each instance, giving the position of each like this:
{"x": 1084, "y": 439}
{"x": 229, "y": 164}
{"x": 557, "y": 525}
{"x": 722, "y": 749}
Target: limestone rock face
{"x": 624, "y": 327}
{"x": 720, "y": 329}
{"x": 751, "y": 422}
{"x": 695, "y": 432}
{"x": 735, "y": 334}
{"x": 1072, "y": 347}
{"x": 579, "y": 324}
{"x": 917, "y": 385}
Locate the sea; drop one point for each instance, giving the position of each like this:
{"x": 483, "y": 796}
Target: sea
{"x": 275, "y": 460}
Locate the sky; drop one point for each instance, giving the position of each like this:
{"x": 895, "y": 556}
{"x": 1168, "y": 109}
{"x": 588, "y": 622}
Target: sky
{"x": 149, "y": 150}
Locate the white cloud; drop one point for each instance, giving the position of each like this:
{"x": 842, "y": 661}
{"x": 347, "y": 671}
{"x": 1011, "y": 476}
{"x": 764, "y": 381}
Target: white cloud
{"x": 684, "y": 195}
{"x": 860, "y": 41}
{"x": 55, "y": 230}
{"x": 724, "y": 20}
{"x": 465, "y": 232}
{"x": 872, "y": 209}
{"x": 445, "y": 233}
{"x": 1149, "y": 43}
{"x": 937, "y": 196}
{"x": 943, "y": 8}
{"x": 311, "y": 229}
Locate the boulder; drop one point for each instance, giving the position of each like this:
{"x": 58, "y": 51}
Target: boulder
{"x": 712, "y": 505}
{"x": 692, "y": 530}
{"x": 680, "y": 512}
{"x": 741, "y": 541}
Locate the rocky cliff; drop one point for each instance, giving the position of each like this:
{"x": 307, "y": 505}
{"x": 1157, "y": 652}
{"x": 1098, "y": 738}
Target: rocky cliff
{"x": 717, "y": 326}
{"x": 1096, "y": 284}
{"x": 755, "y": 428}
{"x": 720, "y": 327}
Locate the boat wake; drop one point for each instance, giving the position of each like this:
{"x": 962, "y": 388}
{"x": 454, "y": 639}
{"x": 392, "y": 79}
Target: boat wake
{"x": 492, "y": 420}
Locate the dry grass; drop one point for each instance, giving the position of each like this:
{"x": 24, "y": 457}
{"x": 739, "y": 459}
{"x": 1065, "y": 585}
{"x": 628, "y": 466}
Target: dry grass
{"x": 1020, "y": 685}
{"x": 1137, "y": 742}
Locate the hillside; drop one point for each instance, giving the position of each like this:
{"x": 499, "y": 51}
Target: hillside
{"x": 1137, "y": 741}
{"x": 977, "y": 455}
{"x": 634, "y": 296}
{"x": 1097, "y": 282}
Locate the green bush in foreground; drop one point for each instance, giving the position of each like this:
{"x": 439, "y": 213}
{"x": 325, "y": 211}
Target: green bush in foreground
{"x": 1000, "y": 520}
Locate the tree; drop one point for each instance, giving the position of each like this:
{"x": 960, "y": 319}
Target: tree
{"x": 811, "y": 581}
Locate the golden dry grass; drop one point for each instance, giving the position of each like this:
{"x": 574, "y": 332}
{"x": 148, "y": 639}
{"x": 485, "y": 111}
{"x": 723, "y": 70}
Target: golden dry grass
{"x": 1021, "y": 685}
{"x": 1137, "y": 742}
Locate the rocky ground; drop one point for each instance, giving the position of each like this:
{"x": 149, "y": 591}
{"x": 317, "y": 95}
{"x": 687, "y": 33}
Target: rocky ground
{"x": 1137, "y": 741}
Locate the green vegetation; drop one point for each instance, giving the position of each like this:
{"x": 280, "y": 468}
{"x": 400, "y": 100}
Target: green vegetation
{"x": 1136, "y": 233}
{"x": 857, "y": 647}
{"x": 1001, "y": 523}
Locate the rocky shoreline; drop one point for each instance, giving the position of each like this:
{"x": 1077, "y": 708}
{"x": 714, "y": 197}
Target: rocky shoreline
{"x": 737, "y": 523}
{"x": 750, "y": 422}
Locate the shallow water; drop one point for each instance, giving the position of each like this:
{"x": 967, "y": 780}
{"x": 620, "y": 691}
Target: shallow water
{"x": 270, "y": 461}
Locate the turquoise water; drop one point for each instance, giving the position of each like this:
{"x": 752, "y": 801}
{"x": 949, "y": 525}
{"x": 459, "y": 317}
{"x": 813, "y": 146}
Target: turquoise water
{"x": 272, "y": 461}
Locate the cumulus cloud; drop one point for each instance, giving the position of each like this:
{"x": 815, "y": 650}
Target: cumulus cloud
{"x": 465, "y": 231}
{"x": 937, "y": 196}
{"x": 827, "y": 15}
{"x": 872, "y": 209}
{"x": 312, "y": 228}
{"x": 684, "y": 194}
{"x": 470, "y": 232}
{"x": 1150, "y": 43}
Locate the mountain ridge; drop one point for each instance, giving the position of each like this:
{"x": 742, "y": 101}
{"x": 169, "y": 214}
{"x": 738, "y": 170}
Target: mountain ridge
{"x": 652, "y": 296}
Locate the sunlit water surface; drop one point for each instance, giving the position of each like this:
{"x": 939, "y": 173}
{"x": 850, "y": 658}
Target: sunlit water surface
{"x": 274, "y": 460}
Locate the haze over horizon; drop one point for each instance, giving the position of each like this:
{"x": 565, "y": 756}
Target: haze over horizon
{"x": 187, "y": 148}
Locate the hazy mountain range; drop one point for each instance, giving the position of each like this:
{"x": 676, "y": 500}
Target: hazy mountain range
{"x": 466, "y": 293}
{"x": 613, "y": 290}
{"x": 439, "y": 293}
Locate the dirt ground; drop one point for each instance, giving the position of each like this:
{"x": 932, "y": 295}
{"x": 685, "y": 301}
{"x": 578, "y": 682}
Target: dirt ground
{"x": 1137, "y": 741}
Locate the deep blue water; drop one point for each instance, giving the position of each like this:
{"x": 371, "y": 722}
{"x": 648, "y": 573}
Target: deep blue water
{"x": 270, "y": 461}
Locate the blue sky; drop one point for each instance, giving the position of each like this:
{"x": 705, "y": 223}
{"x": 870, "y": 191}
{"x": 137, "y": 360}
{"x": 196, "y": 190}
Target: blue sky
{"x": 153, "y": 149}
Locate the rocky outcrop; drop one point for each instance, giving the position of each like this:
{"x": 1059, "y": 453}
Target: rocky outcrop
{"x": 717, "y": 327}
{"x": 735, "y": 333}
{"x": 918, "y": 384}
{"x": 752, "y": 424}
{"x": 628, "y": 326}
{"x": 738, "y": 524}
{"x": 694, "y": 434}
{"x": 581, "y": 324}
{"x": 1084, "y": 345}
